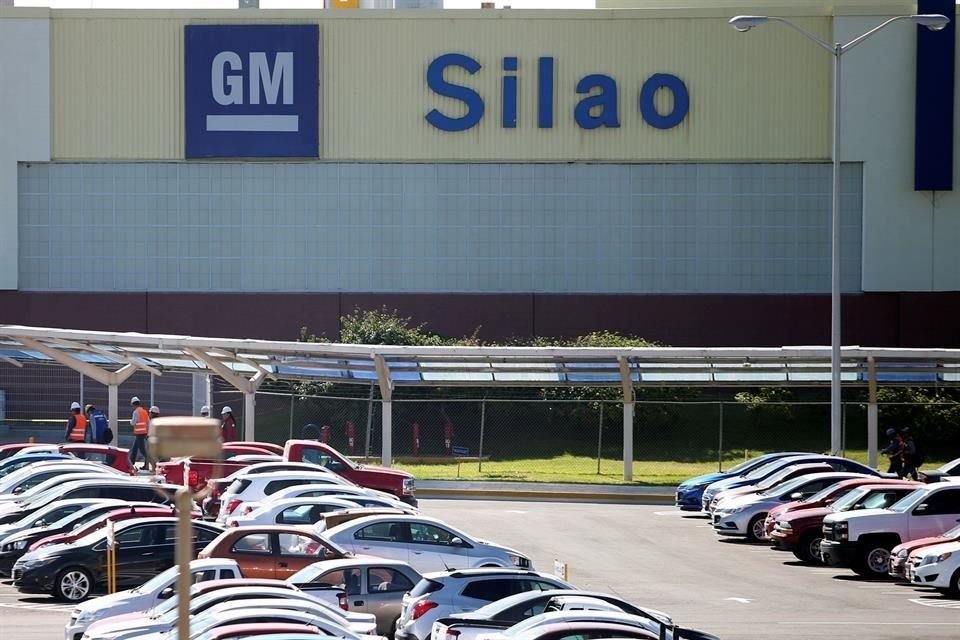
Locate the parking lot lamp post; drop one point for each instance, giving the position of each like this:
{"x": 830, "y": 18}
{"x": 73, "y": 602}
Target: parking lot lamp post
{"x": 183, "y": 437}
{"x": 934, "y": 22}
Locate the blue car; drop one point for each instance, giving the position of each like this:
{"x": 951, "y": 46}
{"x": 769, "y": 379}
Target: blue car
{"x": 761, "y": 473}
{"x": 690, "y": 492}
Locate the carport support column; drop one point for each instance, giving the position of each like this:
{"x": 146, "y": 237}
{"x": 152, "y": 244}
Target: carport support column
{"x": 249, "y": 415}
{"x": 626, "y": 382}
{"x": 113, "y": 409}
{"x": 872, "y": 413}
{"x": 386, "y": 409}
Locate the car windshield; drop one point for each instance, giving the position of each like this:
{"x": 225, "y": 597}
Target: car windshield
{"x": 763, "y": 470}
{"x": 847, "y": 501}
{"x": 157, "y": 582}
{"x": 745, "y": 465}
{"x": 909, "y": 501}
{"x": 496, "y": 607}
{"x": 529, "y": 623}
{"x": 786, "y": 488}
{"x": 828, "y": 492}
{"x": 952, "y": 533}
{"x": 775, "y": 479}
{"x": 948, "y": 468}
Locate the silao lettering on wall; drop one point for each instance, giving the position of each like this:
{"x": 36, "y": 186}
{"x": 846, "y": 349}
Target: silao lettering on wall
{"x": 252, "y": 90}
{"x": 597, "y": 108}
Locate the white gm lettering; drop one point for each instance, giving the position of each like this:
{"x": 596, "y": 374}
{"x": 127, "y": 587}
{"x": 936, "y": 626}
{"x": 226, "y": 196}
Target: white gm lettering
{"x": 226, "y": 78}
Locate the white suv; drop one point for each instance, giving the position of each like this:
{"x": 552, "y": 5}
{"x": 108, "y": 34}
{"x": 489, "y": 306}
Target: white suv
{"x": 440, "y": 594}
{"x": 258, "y": 487}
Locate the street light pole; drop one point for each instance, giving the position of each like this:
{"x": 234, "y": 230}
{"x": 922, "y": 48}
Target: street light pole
{"x": 934, "y": 22}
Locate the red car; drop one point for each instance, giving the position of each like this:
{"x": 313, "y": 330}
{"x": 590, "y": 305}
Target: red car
{"x": 8, "y": 450}
{"x": 900, "y": 553}
{"x": 117, "y": 515}
{"x": 802, "y": 531}
{"x": 114, "y": 457}
{"x": 203, "y": 469}
{"x": 824, "y": 498}
{"x": 394, "y": 481}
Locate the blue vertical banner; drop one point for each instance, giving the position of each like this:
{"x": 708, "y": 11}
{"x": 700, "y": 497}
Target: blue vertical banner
{"x": 933, "y": 143}
{"x": 251, "y": 91}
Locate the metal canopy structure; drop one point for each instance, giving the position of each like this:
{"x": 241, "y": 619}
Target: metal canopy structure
{"x": 110, "y": 358}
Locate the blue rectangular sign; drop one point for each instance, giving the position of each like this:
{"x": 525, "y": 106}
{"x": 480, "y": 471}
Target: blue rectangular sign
{"x": 251, "y": 91}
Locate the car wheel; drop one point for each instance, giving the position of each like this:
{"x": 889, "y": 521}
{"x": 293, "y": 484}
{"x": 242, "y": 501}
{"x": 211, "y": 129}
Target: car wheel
{"x": 874, "y": 561}
{"x": 808, "y": 550}
{"x": 73, "y": 585}
{"x": 954, "y": 589}
{"x": 756, "y": 527}
{"x": 392, "y": 632}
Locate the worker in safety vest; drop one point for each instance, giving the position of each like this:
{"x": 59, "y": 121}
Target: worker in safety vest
{"x": 141, "y": 427}
{"x": 99, "y": 425}
{"x": 76, "y": 425}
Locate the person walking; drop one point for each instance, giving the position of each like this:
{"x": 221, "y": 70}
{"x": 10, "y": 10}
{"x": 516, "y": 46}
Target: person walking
{"x": 911, "y": 455}
{"x": 228, "y": 428}
{"x": 140, "y": 421}
{"x": 894, "y": 452}
{"x": 76, "y": 425}
{"x": 99, "y": 425}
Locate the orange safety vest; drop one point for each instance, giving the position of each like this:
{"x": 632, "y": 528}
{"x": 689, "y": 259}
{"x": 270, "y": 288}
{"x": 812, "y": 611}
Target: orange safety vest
{"x": 79, "y": 431}
{"x": 142, "y": 421}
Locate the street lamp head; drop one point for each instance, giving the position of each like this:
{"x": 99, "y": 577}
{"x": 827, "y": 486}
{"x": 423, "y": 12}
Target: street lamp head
{"x": 932, "y": 21}
{"x": 745, "y": 23}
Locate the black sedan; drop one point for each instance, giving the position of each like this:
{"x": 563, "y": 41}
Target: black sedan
{"x": 70, "y": 573}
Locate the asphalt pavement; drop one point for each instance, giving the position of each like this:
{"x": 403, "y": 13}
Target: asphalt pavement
{"x": 656, "y": 557}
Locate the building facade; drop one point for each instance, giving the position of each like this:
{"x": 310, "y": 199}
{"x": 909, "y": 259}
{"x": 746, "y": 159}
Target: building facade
{"x": 649, "y": 171}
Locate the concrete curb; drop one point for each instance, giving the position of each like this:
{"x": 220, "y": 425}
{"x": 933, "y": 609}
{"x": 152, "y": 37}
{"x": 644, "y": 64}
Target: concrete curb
{"x": 547, "y": 496}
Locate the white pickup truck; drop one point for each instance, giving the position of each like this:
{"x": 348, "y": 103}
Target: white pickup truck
{"x": 862, "y": 540}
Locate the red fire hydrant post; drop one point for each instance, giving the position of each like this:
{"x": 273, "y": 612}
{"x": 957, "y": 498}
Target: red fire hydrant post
{"x": 416, "y": 438}
{"x": 351, "y": 438}
{"x": 325, "y": 434}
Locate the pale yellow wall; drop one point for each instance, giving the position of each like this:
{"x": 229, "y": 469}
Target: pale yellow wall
{"x": 118, "y": 76}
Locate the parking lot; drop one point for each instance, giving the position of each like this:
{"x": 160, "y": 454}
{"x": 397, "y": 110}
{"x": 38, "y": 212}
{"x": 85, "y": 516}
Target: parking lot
{"x": 656, "y": 557}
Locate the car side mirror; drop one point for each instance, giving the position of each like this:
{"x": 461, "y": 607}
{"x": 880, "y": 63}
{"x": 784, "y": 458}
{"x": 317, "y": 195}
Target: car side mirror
{"x": 456, "y": 541}
{"x": 166, "y": 593}
{"x": 796, "y": 496}
{"x": 922, "y": 508}
{"x": 18, "y": 491}
{"x": 829, "y": 501}
{"x": 40, "y": 523}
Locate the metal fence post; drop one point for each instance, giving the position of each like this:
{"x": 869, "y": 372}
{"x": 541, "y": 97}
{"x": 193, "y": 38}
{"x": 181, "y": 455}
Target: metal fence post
{"x": 81, "y": 390}
{"x": 291, "y": 414}
{"x": 599, "y": 438}
{"x": 720, "y": 442}
{"x": 366, "y": 444}
{"x": 483, "y": 424}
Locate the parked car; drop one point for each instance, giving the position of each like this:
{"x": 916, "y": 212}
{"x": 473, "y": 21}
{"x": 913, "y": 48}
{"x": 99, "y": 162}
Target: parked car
{"x": 117, "y": 513}
{"x": 745, "y": 515}
{"x": 570, "y": 625}
{"x": 321, "y": 490}
{"x": 126, "y": 490}
{"x": 146, "y": 596}
{"x": 8, "y": 450}
{"x": 393, "y": 481}
{"x": 765, "y": 471}
{"x": 113, "y": 457}
{"x": 273, "y": 551}
{"x": 15, "y": 545}
{"x": 863, "y": 539}
{"x": 936, "y": 566}
{"x": 902, "y": 552}
{"x": 948, "y": 470}
{"x": 784, "y": 475}
{"x": 261, "y": 615}
{"x": 85, "y": 472}
{"x": 427, "y": 544}
{"x": 264, "y": 631}
{"x": 17, "y": 462}
{"x": 335, "y": 518}
{"x": 801, "y": 531}
{"x": 71, "y": 572}
{"x": 690, "y": 491}
{"x": 25, "y": 479}
{"x": 295, "y": 511}
{"x": 202, "y": 596}
{"x": 504, "y": 613}
{"x": 438, "y": 595}
{"x": 259, "y": 487}
{"x": 212, "y": 504}
{"x": 827, "y": 497}
{"x": 50, "y": 513}
{"x": 372, "y": 585}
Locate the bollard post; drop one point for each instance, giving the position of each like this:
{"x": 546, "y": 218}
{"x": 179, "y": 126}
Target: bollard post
{"x": 599, "y": 438}
{"x": 483, "y": 424}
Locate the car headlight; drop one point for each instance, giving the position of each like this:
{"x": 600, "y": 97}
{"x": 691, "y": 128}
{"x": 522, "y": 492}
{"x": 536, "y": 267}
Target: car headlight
{"x": 903, "y": 553}
{"x": 784, "y": 526}
{"x": 939, "y": 558}
{"x": 20, "y": 544}
{"x": 519, "y": 561}
{"x": 34, "y": 562}
{"x": 408, "y": 486}
{"x": 88, "y": 615}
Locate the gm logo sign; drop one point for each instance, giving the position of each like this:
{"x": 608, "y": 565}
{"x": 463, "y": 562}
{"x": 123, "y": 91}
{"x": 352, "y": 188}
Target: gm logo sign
{"x": 251, "y": 91}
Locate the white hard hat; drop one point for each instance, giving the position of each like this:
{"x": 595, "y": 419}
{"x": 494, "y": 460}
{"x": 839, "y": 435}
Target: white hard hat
{"x": 134, "y": 400}
{"x": 204, "y": 410}
{"x": 226, "y": 410}
{"x": 75, "y": 406}
{"x": 154, "y": 409}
